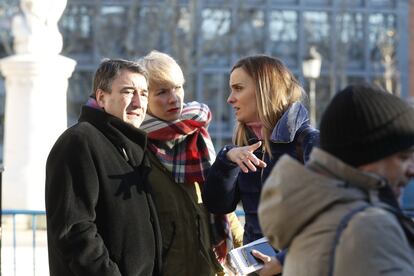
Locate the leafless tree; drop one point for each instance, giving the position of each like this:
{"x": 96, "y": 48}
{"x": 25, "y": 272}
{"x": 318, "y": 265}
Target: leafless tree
{"x": 8, "y": 8}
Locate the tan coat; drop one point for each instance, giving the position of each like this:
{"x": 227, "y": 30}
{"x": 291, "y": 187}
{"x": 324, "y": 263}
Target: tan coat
{"x": 301, "y": 209}
{"x": 236, "y": 229}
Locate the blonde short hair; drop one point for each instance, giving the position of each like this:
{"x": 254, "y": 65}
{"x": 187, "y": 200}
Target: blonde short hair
{"x": 159, "y": 67}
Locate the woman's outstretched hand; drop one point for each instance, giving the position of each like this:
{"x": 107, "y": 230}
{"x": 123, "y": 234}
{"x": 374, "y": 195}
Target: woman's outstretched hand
{"x": 244, "y": 157}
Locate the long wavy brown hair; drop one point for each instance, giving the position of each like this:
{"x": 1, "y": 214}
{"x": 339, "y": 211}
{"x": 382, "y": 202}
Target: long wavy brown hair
{"x": 276, "y": 90}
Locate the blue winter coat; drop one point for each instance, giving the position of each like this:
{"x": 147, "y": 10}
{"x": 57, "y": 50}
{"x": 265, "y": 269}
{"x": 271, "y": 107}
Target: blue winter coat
{"x": 226, "y": 185}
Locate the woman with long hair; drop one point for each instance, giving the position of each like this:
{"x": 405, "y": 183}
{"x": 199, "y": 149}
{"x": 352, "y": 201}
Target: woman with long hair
{"x": 271, "y": 121}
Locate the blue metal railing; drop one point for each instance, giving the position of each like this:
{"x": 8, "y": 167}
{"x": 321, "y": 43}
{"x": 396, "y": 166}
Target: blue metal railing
{"x": 13, "y": 213}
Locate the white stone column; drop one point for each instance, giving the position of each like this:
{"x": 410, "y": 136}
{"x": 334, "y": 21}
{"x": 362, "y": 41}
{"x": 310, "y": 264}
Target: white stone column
{"x": 35, "y": 110}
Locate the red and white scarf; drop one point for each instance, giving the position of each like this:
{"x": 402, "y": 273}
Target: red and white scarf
{"x": 183, "y": 146}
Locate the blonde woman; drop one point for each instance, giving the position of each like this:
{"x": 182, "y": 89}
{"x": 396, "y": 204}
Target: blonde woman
{"x": 181, "y": 153}
{"x": 271, "y": 121}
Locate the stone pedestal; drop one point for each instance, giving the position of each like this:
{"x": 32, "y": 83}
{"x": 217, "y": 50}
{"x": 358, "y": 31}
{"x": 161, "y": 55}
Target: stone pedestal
{"x": 35, "y": 115}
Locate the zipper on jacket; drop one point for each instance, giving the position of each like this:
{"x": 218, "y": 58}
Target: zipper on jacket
{"x": 123, "y": 151}
{"x": 198, "y": 225}
{"x": 262, "y": 169}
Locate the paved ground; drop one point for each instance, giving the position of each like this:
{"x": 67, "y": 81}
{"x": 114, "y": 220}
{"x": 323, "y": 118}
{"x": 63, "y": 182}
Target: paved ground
{"x": 24, "y": 261}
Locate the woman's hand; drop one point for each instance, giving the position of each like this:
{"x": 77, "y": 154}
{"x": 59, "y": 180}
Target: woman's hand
{"x": 244, "y": 157}
{"x": 271, "y": 266}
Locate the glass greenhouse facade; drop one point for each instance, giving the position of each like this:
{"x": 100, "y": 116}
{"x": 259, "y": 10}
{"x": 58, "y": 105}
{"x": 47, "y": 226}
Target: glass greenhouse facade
{"x": 359, "y": 40}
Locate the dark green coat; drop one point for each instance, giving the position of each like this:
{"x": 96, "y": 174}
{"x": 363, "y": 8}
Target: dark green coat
{"x": 184, "y": 223}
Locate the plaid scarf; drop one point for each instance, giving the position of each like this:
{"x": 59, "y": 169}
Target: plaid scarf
{"x": 93, "y": 103}
{"x": 184, "y": 146}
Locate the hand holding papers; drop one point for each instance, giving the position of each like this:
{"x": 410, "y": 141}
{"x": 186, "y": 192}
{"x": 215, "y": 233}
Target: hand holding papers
{"x": 243, "y": 260}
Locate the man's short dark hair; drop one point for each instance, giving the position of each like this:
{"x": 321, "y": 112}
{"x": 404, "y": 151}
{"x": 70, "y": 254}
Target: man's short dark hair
{"x": 109, "y": 69}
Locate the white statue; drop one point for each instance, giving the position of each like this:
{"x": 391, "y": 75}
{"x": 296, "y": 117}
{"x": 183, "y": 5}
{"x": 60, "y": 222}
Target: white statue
{"x": 35, "y": 30}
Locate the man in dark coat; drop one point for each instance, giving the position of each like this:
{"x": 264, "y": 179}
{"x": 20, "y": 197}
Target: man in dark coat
{"x": 100, "y": 214}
